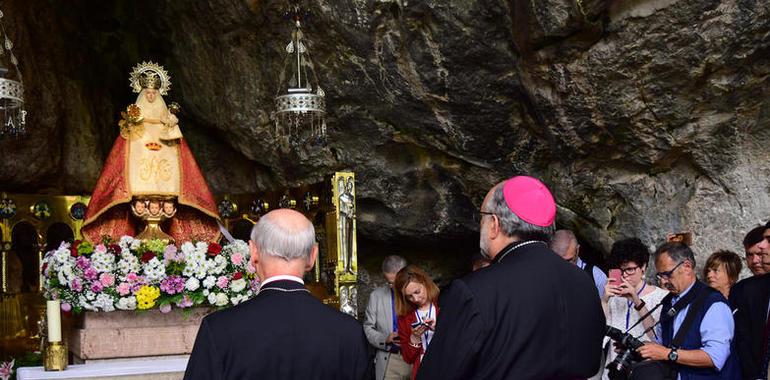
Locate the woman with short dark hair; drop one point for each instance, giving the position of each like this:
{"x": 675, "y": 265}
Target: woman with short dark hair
{"x": 721, "y": 270}
{"x": 624, "y": 302}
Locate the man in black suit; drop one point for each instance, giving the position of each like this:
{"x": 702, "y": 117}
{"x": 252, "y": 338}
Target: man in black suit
{"x": 284, "y": 332}
{"x": 749, "y": 299}
{"x": 529, "y": 315}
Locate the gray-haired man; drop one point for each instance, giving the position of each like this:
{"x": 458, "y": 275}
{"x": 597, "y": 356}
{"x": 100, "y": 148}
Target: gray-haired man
{"x": 284, "y": 332}
{"x": 529, "y": 315}
{"x": 381, "y": 328}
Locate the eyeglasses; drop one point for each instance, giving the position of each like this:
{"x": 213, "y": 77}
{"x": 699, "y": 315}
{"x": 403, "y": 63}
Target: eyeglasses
{"x": 480, "y": 214}
{"x": 628, "y": 271}
{"x": 667, "y": 274}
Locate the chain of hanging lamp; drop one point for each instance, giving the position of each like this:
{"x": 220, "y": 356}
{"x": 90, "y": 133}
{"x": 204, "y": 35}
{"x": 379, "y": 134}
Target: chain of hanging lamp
{"x": 300, "y": 104}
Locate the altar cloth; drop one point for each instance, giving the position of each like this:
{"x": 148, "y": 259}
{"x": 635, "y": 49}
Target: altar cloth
{"x": 136, "y": 369}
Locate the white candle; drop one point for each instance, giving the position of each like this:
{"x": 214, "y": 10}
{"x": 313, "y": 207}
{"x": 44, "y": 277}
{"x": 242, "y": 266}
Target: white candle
{"x": 53, "y": 310}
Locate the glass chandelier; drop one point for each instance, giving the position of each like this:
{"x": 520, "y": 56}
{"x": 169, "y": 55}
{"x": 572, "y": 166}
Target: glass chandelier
{"x": 300, "y": 105}
{"x": 12, "y": 111}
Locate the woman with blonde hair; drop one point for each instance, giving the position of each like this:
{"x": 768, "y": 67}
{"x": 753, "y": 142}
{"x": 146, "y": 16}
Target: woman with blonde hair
{"x": 417, "y": 307}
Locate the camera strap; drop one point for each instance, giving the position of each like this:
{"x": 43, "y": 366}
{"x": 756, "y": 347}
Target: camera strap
{"x": 688, "y": 319}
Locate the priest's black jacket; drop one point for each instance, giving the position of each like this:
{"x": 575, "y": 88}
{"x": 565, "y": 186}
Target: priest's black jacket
{"x": 529, "y": 315}
{"x": 749, "y": 299}
{"x": 280, "y": 334}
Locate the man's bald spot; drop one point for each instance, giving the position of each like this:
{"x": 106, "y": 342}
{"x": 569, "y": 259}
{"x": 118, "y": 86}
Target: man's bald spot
{"x": 288, "y": 219}
{"x": 562, "y": 241}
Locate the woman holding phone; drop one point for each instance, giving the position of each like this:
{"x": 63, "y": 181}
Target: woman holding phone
{"x": 627, "y": 296}
{"x": 416, "y": 305}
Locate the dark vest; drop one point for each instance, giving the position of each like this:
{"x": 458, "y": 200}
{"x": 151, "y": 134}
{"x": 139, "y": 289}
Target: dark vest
{"x": 692, "y": 339}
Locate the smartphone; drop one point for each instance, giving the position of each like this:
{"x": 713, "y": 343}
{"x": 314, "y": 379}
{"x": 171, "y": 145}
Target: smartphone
{"x": 417, "y": 323}
{"x": 615, "y": 277}
{"x": 682, "y": 237}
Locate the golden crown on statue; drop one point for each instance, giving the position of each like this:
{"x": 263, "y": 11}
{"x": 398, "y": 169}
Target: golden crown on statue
{"x": 150, "y": 75}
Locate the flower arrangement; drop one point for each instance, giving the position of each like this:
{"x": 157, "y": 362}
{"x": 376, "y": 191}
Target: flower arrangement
{"x": 134, "y": 275}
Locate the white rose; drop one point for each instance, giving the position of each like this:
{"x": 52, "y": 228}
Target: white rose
{"x": 209, "y": 282}
{"x": 212, "y": 298}
{"x": 192, "y": 284}
{"x": 222, "y": 299}
{"x": 238, "y": 285}
{"x": 127, "y": 303}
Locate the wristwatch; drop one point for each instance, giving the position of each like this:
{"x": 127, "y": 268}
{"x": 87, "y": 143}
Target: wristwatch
{"x": 673, "y": 355}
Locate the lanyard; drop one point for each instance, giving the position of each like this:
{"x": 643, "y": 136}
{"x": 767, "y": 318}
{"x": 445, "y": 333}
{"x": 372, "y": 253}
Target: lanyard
{"x": 629, "y": 303}
{"x": 419, "y": 318}
{"x": 393, "y": 310}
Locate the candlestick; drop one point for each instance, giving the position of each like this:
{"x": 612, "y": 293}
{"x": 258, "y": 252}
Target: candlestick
{"x": 53, "y": 312}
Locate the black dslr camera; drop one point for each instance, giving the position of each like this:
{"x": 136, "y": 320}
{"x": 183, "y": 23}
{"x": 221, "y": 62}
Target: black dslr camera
{"x": 620, "y": 368}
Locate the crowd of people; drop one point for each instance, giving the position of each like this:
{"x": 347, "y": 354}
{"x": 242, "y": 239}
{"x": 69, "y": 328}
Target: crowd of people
{"x": 532, "y": 308}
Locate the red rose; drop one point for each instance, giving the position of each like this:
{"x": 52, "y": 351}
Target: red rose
{"x": 237, "y": 276}
{"x": 45, "y": 266}
{"x": 74, "y": 250}
{"x": 147, "y": 256}
{"x": 115, "y": 249}
{"x": 214, "y": 249}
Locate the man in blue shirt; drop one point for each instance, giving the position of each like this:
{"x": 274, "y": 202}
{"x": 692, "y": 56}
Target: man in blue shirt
{"x": 566, "y": 245}
{"x": 703, "y": 350}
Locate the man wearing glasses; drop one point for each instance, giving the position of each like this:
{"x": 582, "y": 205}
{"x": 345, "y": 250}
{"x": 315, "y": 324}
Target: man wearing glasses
{"x": 696, "y": 324}
{"x": 530, "y": 314}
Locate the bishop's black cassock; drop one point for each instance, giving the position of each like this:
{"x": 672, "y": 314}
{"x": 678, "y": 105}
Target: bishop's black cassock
{"x": 283, "y": 333}
{"x": 529, "y": 315}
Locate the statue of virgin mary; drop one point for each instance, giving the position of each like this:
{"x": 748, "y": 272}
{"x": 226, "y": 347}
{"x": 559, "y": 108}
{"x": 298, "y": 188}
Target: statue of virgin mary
{"x": 149, "y": 163}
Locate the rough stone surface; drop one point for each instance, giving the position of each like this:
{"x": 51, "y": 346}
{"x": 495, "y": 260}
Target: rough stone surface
{"x": 644, "y": 116}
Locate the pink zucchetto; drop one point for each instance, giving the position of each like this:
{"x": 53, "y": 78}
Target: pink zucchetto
{"x": 530, "y": 200}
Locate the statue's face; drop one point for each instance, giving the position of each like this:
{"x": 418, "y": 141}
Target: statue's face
{"x": 150, "y": 94}
{"x": 168, "y": 207}
{"x": 154, "y": 207}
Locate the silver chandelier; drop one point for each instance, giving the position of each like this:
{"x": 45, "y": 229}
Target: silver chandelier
{"x": 300, "y": 105}
{"x": 12, "y": 111}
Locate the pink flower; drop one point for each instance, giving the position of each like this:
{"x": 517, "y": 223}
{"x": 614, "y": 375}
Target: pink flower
{"x": 100, "y": 249}
{"x": 65, "y": 307}
{"x": 83, "y": 262}
{"x": 90, "y": 273}
{"x": 250, "y": 268}
{"x": 222, "y": 282}
{"x": 165, "y": 308}
{"x": 172, "y": 254}
{"x": 186, "y": 301}
{"x": 6, "y": 370}
{"x": 76, "y": 285}
{"x": 124, "y": 288}
{"x": 107, "y": 280}
{"x": 237, "y": 259}
{"x": 131, "y": 277}
{"x": 97, "y": 287}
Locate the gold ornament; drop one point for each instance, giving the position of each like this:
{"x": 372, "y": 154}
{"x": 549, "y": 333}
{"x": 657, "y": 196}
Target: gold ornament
{"x": 150, "y": 75}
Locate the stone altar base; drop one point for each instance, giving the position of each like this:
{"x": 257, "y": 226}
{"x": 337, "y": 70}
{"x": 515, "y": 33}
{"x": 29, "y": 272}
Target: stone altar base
{"x": 132, "y": 334}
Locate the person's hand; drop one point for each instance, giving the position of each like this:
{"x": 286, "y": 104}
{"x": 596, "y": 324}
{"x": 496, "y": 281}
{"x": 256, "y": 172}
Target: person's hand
{"x": 611, "y": 290}
{"x": 173, "y": 120}
{"x": 431, "y": 322}
{"x": 653, "y": 351}
{"x": 626, "y": 290}
{"x": 392, "y": 339}
{"x": 417, "y": 333}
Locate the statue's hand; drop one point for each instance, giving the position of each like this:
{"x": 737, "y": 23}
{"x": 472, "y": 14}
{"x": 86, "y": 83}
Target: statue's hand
{"x": 171, "y": 121}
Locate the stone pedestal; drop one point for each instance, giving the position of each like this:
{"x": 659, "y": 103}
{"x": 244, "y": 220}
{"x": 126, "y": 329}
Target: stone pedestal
{"x": 129, "y": 334}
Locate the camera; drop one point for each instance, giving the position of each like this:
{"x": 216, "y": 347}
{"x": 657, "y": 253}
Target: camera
{"x": 620, "y": 368}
